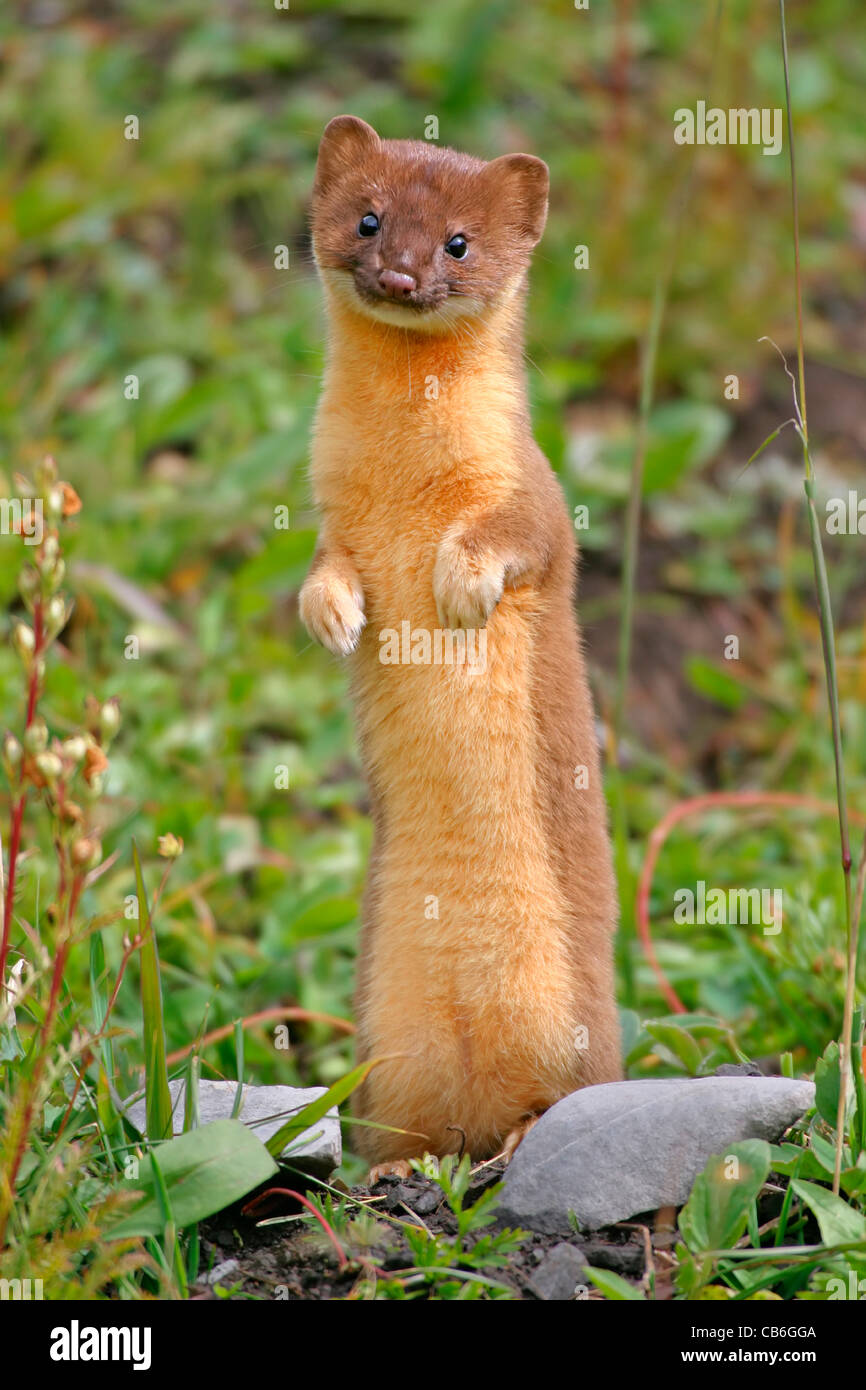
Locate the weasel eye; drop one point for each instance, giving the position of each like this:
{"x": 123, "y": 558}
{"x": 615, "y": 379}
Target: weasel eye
{"x": 457, "y": 247}
{"x": 368, "y": 225}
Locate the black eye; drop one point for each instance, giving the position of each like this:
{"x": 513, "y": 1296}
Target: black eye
{"x": 368, "y": 225}
{"x": 457, "y": 247}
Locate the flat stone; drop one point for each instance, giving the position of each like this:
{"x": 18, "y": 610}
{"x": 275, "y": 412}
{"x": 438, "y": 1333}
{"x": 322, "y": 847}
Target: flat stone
{"x": 264, "y": 1109}
{"x": 560, "y": 1273}
{"x": 607, "y": 1153}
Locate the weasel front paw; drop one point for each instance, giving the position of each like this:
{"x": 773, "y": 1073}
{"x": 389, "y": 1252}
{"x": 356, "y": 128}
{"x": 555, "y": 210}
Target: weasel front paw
{"x": 332, "y": 610}
{"x": 467, "y": 584}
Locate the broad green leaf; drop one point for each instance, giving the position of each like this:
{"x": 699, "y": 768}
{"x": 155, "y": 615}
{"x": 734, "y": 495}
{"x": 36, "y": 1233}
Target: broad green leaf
{"x": 783, "y": 1156}
{"x": 788, "y": 1159}
{"x": 716, "y": 1213}
{"x": 837, "y": 1221}
{"x": 683, "y": 435}
{"x": 322, "y": 917}
{"x": 11, "y": 1047}
{"x": 718, "y": 685}
{"x": 825, "y": 1152}
{"x": 200, "y": 1173}
{"x": 680, "y": 1043}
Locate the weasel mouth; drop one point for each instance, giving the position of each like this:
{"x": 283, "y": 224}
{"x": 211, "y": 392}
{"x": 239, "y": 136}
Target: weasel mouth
{"x": 400, "y": 297}
{"x": 439, "y": 313}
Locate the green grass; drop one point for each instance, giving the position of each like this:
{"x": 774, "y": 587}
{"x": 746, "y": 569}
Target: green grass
{"x": 155, "y": 259}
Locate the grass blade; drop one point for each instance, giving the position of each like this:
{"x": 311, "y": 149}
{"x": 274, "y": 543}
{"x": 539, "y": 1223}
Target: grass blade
{"x": 158, "y": 1096}
{"x": 314, "y": 1112}
{"x": 239, "y": 1064}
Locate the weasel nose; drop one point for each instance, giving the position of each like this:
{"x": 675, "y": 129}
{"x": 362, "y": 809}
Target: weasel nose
{"x": 397, "y": 285}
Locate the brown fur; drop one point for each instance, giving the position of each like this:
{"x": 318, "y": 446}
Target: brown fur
{"x": 444, "y": 513}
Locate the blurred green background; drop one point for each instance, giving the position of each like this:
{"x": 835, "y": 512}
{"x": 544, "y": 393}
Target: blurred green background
{"x": 155, "y": 257}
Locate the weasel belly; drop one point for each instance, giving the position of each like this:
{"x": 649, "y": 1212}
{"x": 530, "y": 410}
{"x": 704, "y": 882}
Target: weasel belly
{"x": 469, "y": 975}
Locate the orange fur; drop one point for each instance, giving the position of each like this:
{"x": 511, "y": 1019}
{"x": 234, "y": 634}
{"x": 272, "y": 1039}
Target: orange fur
{"x": 442, "y": 510}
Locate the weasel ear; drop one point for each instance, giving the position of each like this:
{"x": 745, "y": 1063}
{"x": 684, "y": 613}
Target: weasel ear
{"x": 346, "y": 140}
{"x": 522, "y": 183}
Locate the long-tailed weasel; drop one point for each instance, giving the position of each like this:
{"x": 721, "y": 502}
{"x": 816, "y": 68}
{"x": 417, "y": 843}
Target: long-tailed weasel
{"x": 445, "y": 574}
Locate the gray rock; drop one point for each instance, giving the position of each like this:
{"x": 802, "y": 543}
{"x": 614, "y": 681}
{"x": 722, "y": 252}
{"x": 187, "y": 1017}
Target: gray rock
{"x": 220, "y": 1273}
{"x": 610, "y": 1152}
{"x": 264, "y": 1109}
{"x": 561, "y": 1271}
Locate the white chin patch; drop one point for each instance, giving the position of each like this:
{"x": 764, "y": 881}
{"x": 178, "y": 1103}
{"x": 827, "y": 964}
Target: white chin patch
{"x": 438, "y": 320}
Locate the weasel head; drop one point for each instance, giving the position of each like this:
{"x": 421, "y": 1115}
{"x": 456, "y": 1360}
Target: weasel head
{"x": 420, "y": 237}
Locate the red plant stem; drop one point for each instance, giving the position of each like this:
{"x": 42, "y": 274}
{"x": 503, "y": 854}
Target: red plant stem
{"x": 299, "y": 1197}
{"x": 41, "y": 1053}
{"x": 264, "y": 1016}
{"x": 695, "y": 805}
{"x": 18, "y": 810}
{"x": 14, "y": 844}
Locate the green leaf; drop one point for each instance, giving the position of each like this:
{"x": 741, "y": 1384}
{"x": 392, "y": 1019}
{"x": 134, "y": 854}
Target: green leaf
{"x": 199, "y": 1173}
{"x": 698, "y": 1026}
{"x": 11, "y": 1047}
{"x": 708, "y": 679}
{"x": 615, "y": 1287}
{"x": 837, "y": 1221}
{"x": 854, "y": 1178}
{"x": 683, "y": 435}
{"x": 680, "y": 1043}
{"x": 788, "y": 1159}
{"x": 326, "y": 915}
{"x": 158, "y": 1096}
{"x": 717, "y": 1211}
{"x": 827, "y": 1084}
{"x": 825, "y": 1153}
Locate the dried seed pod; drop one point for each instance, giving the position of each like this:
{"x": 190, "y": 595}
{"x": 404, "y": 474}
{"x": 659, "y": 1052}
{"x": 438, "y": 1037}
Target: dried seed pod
{"x": 36, "y": 737}
{"x": 95, "y": 763}
{"x": 50, "y": 767}
{"x": 24, "y": 642}
{"x": 74, "y": 748}
{"x": 12, "y": 756}
{"x": 170, "y": 846}
{"x": 86, "y": 852}
{"x": 109, "y": 719}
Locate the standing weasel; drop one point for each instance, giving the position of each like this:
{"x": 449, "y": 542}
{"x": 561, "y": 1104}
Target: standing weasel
{"x": 485, "y": 971}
